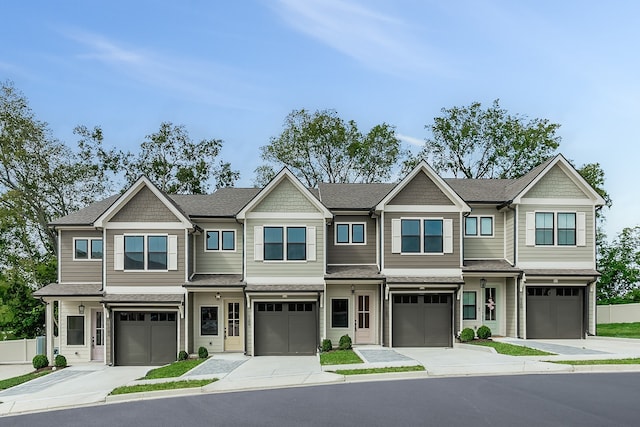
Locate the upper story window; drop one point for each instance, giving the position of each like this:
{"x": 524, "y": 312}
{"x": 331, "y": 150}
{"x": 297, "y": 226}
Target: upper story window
{"x": 220, "y": 240}
{"x": 566, "y": 229}
{"x": 544, "y": 228}
{"x": 87, "y": 249}
{"x": 556, "y": 229}
{"x": 284, "y": 243}
{"x": 350, "y": 233}
{"x": 146, "y": 252}
{"x": 422, "y": 235}
{"x": 478, "y": 226}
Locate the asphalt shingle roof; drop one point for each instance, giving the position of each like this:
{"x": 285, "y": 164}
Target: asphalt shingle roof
{"x": 353, "y": 196}
{"x": 79, "y": 289}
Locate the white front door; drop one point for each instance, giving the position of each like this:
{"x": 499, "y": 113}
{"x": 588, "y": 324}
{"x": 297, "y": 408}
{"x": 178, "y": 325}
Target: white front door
{"x": 365, "y": 318}
{"x": 97, "y": 335}
{"x": 233, "y": 328}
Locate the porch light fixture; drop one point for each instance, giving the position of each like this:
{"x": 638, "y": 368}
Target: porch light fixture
{"x": 483, "y": 282}
{"x": 81, "y": 308}
{"x": 218, "y": 295}
{"x": 353, "y": 289}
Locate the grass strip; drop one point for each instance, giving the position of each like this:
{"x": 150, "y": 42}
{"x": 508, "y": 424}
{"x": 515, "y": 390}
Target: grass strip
{"x": 510, "y": 349}
{"x": 173, "y": 370}
{"x": 380, "y": 370}
{"x": 12, "y": 382}
{"x": 619, "y": 330}
{"x": 631, "y": 361}
{"x": 339, "y": 357}
{"x": 173, "y": 385}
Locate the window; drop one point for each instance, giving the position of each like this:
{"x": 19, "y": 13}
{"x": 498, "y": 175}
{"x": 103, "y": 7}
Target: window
{"x": 75, "y": 330}
{"x": 296, "y": 243}
{"x": 339, "y": 313}
{"x": 350, "y": 234}
{"x": 87, "y": 249}
{"x": 485, "y": 223}
{"x": 469, "y": 305}
{"x": 490, "y": 308}
{"x": 544, "y": 228}
{"x": 566, "y": 229}
{"x": 208, "y": 320}
{"x": 421, "y": 236}
{"x": 411, "y": 235}
{"x": 133, "y": 252}
{"x": 274, "y": 243}
{"x": 149, "y": 254}
{"x": 220, "y": 239}
{"x": 157, "y": 257}
{"x": 432, "y": 236}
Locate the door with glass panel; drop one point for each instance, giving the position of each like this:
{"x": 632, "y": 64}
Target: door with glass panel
{"x": 233, "y": 330}
{"x": 364, "y": 318}
{"x": 97, "y": 335}
{"x": 491, "y": 314}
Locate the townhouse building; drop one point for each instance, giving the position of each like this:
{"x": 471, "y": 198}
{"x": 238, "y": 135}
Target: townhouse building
{"x": 275, "y": 270}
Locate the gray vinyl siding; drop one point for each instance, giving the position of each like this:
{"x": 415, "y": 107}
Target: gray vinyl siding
{"x": 555, "y": 253}
{"x": 144, "y": 278}
{"x": 352, "y": 254}
{"x": 285, "y": 198}
{"x": 219, "y": 262}
{"x": 144, "y": 207}
{"x": 480, "y": 247}
{"x": 385, "y": 324}
{"x": 285, "y": 268}
{"x": 510, "y": 299}
{"x": 79, "y": 270}
{"x": 555, "y": 184}
{"x": 509, "y": 236}
{"x": 190, "y": 299}
{"x": 423, "y": 261}
{"x": 421, "y": 191}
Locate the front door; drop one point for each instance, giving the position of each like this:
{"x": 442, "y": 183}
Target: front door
{"x": 491, "y": 317}
{"x": 365, "y": 319}
{"x": 97, "y": 335}
{"x": 233, "y": 327}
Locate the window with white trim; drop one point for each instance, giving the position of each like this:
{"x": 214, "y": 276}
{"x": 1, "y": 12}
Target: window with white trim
{"x": 544, "y": 228}
{"x": 566, "y": 229}
{"x": 350, "y": 233}
{"x": 284, "y": 243}
{"x": 481, "y": 226}
{"x": 548, "y": 228}
{"x": 220, "y": 240}
{"x": 87, "y": 249}
{"x": 145, "y": 252}
{"x": 339, "y": 313}
{"x": 422, "y": 235}
{"x": 75, "y": 330}
{"x": 469, "y": 305}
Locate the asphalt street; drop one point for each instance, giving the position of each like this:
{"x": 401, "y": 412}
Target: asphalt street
{"x": 520, "y": 400}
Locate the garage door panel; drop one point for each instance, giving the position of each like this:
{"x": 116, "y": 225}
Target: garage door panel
{"x": 555, "y": 312}
{"x": 422, "y": 320}
{"x": 145, "y": 338}
{"x": 285, "y": 328}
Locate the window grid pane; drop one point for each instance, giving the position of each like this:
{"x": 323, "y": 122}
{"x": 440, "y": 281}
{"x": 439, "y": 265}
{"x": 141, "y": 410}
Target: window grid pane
{"x": 342, "y": 233}
{"x": 228, "y": 240}
{"x": 296, "y": 243}
{"x": 486, "y": 226}
{"x": 544, "y": 228}
{"x": 471, "y": 226}
{"x": 567, "y": 229}
{"x": 96, "y": 249}
{"x": 273, "y": 244}
{"x": 133, "y": 253}
{"x": 469, "y": 305}
{"x": 213, "y": 240}
{"x": 410, "y": 229}
{"x": 157, "y": 257}
{"x": 357, "y": 233}
{"x": 82, "y": 249}
{"x": 433, "y": 236}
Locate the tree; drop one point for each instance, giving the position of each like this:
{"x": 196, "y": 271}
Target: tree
{"x": 619, "y": 264}
{"x": 169, "y": 157}
{"x": 472, "y": 142}
{"x": 322, "y": 147}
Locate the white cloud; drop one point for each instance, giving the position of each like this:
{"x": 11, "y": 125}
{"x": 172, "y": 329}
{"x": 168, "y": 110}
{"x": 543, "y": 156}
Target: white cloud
{"x": 411, "y": 140}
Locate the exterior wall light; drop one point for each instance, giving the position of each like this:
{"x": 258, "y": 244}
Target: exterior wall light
{"x": 81, "y": 308}
{"x": 483, "y": 283}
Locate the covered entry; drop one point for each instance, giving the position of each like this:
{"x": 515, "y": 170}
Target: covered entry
{"x": 285, "y": 328}
{"x": 422, "y": 320}
{"x": 555, "y": 312}
{"x": 145, "y": 338}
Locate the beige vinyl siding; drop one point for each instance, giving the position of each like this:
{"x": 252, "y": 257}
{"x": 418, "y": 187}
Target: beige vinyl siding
{"x": 555, "y": 253}
{"x": 510, "y": 299}
{"x": 482, "y": 247}
{"x": 509, "y": 237}
{"x": 144, "y": 278}
{"x": 285, "y": 268}
{"x": 144, "y": 207}
{"x": 213, "y": 343}
{"x": 555, "y": 184}
{"x": 423, "y": 261}
{"x": 343, "y": 291}
{"x": 76, "y": 353}
{"x": 80, "y": 270}
{"x": 285, "y": 198}
{"x": 219, "y": 262}
{"x": 352, "y": 254}
{"x": 421, "y": 190}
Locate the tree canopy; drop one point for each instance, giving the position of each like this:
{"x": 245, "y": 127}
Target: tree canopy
{"x": 323, "y": 147}
{"x": 619, "y": 263}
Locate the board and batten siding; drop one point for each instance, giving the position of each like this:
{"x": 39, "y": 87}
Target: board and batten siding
{"x": 555, "y": 254}
{"x": 284, "y": 268}
{"x": 144, "y": 278}
{"x": 144, "y": 207}
{"x": 218, "y": 262}
{"x": 486, "y": 247}
{"x": 285, "y": 198}
{"x": 555, "y": 184}
{"x": 352, "y": 253}
{"x": 78, "y": 271}
{"x": 421, "y": 190}
{"x": 421, "y": 261}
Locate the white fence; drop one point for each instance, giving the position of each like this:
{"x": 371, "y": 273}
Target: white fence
{"x": 619, "y": 313}
{"x": 22, "y": 351}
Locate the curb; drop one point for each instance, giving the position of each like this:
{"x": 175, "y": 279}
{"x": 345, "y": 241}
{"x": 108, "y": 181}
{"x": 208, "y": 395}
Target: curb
{"x": 153, "y": 394}
{"x": 472, "y": 347}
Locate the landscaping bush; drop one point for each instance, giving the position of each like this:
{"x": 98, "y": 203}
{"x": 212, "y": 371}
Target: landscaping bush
{"x": 203, "y": 353}
{"x": 484, "y": 332}
{"x": 60, "y": 361}
{"x": 183, "y": 355}
{"x": 326, "y": 345}
{"x": 467, "y": 334}
{"x": 345, "y": 342}
{"x": 40, "y": 361}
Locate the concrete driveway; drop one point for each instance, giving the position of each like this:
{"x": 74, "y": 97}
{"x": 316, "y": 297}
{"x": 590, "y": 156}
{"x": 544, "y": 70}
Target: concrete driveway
{"x": 10, "y": 371}
{"x": 588, "y": 349}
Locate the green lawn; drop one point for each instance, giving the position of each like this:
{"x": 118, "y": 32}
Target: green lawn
{"x": 12, "y": 382}
{"x": 619, "y": 330}
{"x": 339, "y": 357}
{"x": 380, "y": 370}
{"x": 174, "y": 370}
{"x": 141, "y": 388}
{"x": 510, "y": 349}
{"x": 634, "y": 361}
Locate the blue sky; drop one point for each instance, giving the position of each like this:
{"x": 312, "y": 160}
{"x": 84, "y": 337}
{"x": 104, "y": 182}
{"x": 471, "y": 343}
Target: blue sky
{"x": 234, "y": 70}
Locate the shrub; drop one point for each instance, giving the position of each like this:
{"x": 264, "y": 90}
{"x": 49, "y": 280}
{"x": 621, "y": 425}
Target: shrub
{"x": 326, "y": 345}
{"x": 40, "y": 361}
{"x": 345, "y": 342}
{"x": 183, "y": 355}
{"x": 60, "y": 361}
{"x": 203, "y": 353}
{"x": 467, "y": 334}
{"x": 484, "y": 332}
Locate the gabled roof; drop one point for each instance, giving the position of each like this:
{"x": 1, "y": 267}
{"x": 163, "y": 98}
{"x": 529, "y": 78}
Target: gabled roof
{"x": 225, "y": 202}
{"x": 284, "y": 174}
{"x": 86, "y": 215}
{"x": 353, "y": 196}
